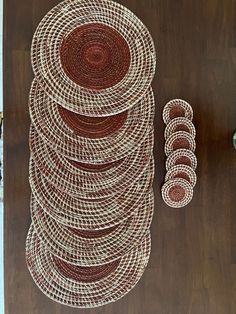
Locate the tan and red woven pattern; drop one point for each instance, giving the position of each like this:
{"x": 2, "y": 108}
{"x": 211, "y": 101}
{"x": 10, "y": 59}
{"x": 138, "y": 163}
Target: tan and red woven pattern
{"x": 91, "y": 141}
{"x": 55, "y": 65}
{"x": 180, "y": 146}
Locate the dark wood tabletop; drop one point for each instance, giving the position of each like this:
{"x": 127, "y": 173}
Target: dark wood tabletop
{"x": 192, "y": 269}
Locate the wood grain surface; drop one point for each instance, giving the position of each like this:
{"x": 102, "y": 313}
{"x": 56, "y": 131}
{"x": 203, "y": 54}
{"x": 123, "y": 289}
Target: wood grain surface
{"x": 193, "y": 262}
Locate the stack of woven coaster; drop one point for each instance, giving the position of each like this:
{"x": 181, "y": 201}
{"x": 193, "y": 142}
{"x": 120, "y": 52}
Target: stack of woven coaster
{"x": 181, "y": 161}
{"x": 91, "y": 141}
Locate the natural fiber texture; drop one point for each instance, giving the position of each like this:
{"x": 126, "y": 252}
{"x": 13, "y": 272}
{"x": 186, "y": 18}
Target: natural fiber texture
{"x": 182, "y": 171}
{"x": 95, "y": 56}
{"x": 86, "y": 248}
{"x": 108, "y": 28}
{"x": 47, "y": 120}
{"x": 75, "y": 286}
{"x": 177, "y": 192}
{"x": 76, "y": 180}
{"x": 181, "y": 157}
{"x": 179, "y": 140}
{"x": 180, "y": 124}
{"x": 89, "y": 214}
{"x": 177, "y": 108}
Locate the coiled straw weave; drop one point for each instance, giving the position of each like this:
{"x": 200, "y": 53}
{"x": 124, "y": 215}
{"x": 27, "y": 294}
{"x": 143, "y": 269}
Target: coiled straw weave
{"x": 62, "y": 26}
{"x": 51, "y": 127}
{"x": 85, "y": 287}
{"x": 77, "y": 180}
{"x": 86, "y": 248}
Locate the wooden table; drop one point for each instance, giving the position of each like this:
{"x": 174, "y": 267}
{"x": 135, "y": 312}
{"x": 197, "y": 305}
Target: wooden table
{"x": 193, "y": 263}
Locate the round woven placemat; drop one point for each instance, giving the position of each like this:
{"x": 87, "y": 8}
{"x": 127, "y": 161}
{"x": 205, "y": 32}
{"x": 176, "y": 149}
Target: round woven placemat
{"x": 177, "y": 108}
{"x": 95, "y": 58}
{"x": 182, "y": 171}
{"x": 85, "y": 287}
{"x": 180, "y": 124}
{"x": 177, "y": 192}
{"x": 179, "y": 140}
{"x": 96, "y": 247}
{"x": 181, "y": 157}
{"x": 85, "y": 213}
{"x": 84, "y": 181}
{"x": 50, "y": 125}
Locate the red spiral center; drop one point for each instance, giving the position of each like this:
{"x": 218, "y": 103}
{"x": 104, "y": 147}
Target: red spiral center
{"x": 176, "y": 193}
{"x": 95, "y": 56}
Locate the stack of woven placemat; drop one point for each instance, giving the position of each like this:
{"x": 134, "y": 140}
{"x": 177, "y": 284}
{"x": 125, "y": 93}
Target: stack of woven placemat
{"x": 91, "y": 140}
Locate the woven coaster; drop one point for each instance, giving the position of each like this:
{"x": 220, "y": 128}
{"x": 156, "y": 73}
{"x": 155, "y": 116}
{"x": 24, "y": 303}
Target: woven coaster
{"x": 86, "y": 213}
{"x": 96, "y": 247}
{"x": 182, "y": 171}
{"x": 181, "y": 157}
{"x": 180, "y": 124}
{"x": 179, "y": 140}
{"x": 50, "y": 125}
{"x": 85, "y": 287}
{"x": 85, "y": 57}
{"x": 177, "y": 108}
{"x": 177, "y": 192}
{"x": 84, "y": 180}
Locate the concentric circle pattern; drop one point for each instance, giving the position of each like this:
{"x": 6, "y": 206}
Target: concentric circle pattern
{"x": 75, "y": 286}
{"x": 179, "y": 124}
{"x": 93, "y": 57}
{"x": 177, "y": 108}
{"x": 180, "y": 140}
{"x": 85, "y": 213}
{"x": 91, "y": 140}
{"x": 177, "y": 192}
{"x": 48, "y": 122}
{"x": 181, "y": 157}
{"x": 182, "y": 171}
{"x": 74, "y": 179}
{"x": 96, "y": 247}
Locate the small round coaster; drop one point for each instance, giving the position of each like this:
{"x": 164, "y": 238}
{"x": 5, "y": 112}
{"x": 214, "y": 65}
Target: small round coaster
{"x": 80, "y": 140}
{"x": 95, "y": 58}
{"x": 85, "y": 287}
{"x": 179, "y": 124}
{"x": 177, "y": 192}
{"x": 177, "y": 108}
{"x": 179, "y": 140}
{"x": 93, "y": 247}
{"x": 89, "y": 214}
{"x": 181, "y": 157}
{"x": 182, "y": 171}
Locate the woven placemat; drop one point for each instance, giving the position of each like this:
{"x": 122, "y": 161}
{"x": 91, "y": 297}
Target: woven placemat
{"x": 96, "y": 247}
{"x": 180, "y": 124}
{"x": 179, "y": 140}
{"x": 85, "y": 287}
{"x": 177, "y": 108}
{"x": 86, "y": 181}
{"x": 85, "y": 213}
{"x": 95, "y": 58}
{"x": 182, "y": 171}
{"x": 177, "y": 192}
{"x": 181, "y": 157}
{"x": 47, "y": 120}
